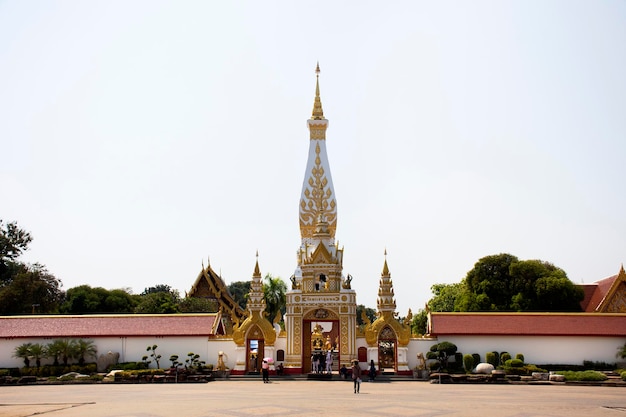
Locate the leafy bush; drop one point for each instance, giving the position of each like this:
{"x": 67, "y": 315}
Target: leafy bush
{"x": 468, "y": 363}
{"x": 476, "y": 357}
{"x": 520, "y": 357}
{"x": 583, "y": 375}
{"x": 623, "y": 375}
{"x": 457, "y": 365}
{"x": 504, "y": 356}
{"x": 57, "y": 370}
{"x": 127, "y": 366}
{"x": 522, "y": 370}
{"x": 490, "y": 357}
{"x": 513, "y": 363}
{"x": 432, "y": 355}
{"x": 434, "y": 366}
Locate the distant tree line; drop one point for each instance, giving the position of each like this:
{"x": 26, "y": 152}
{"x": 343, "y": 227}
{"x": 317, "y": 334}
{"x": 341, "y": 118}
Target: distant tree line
{"x": 505, "y": 283}
{"x": 31, "y": 289}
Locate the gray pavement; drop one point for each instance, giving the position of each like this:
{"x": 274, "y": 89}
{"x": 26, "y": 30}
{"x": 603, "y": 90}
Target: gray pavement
{"x": 290, "y": 398}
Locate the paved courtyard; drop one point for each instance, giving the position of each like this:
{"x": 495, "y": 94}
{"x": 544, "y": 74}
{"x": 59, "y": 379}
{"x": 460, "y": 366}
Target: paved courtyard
{"x": 289, "y": 398}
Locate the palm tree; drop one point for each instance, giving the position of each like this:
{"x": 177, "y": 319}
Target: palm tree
{"x": 274, "y": 290}
{"x": 38, "y": 352}
{"x": 55, "y": 349}
{"x": 67, "y": 349}
{"x": 84, "y": 349}
{"x": 23, "y": 351}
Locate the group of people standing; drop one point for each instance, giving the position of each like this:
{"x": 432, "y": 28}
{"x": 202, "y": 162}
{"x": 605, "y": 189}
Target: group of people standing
{"x": 322, "y": 362}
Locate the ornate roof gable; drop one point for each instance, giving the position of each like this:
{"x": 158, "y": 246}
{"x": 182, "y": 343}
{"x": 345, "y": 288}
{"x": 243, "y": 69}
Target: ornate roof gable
{"x": 615, "y": 299}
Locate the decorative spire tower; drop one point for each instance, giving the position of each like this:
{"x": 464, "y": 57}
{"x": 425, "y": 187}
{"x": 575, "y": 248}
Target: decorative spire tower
{"x": 388, "y": 327}
{"x": 386, "y": 302}
{"x": 254, "y": 327}
{"x": 256, "y": 301}
{"x": 320, "y": 298}
{"x": 318, "y": 193}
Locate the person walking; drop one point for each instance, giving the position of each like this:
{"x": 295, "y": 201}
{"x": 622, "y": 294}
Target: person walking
{"x": 265, "y": 368}
{"x": 356, "y": 376}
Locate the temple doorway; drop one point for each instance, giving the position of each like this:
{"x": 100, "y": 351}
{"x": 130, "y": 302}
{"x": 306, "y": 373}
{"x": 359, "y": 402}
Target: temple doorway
{"x": 255, "y": 349}
{"x": 387, "y": 350}
{"x": 318, "y": 338}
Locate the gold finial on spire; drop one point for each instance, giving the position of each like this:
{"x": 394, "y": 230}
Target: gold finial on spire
{"x": 257, "y": 270}
{"x": 318, "y": 113}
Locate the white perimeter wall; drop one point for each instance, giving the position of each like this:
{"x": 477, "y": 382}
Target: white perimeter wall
{"x": 545, "y": 350}
{"x": 536, "y": 349}
{"x": 132, "y": 349}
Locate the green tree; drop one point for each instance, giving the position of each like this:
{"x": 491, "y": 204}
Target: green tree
{"x": 158, "y": 288}
{"x": 419, "y": 322}
{"x": 154, "y": 355}
{"x": 490, "y": 277}
{"x": 158, "y": 303}
{"x": 13, "y": 241}
{"x": 369, "y": 312}
{"x": 67, "y": 349}
{"x": 32, "y": 289}
{"x": 274, "y": 290}
{"x": 85, "y": 299}
{"x": 239, "y": 290}
{"x": 198, "y": 305}
{"x": 55, "y": 350}
{"x": 23, "y": 352}
{"x": 505, "y": 283}
{"x": 443, "y": 351}
{"x": 120, "y": 301}
{"x": 24, "y": 289}
{"x": 38, "y": 352}
{"x": 445, "y": 296}
{"x": 84, "y": 349}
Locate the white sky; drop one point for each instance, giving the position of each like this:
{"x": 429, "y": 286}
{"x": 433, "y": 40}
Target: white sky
{"x": 138, "y": 138}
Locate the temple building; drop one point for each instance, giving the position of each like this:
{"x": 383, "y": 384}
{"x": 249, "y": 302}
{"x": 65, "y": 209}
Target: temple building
{"x": 321, "y": 311}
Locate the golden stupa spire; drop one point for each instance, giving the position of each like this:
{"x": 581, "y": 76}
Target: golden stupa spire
{"x": 318, "y": 113}
{"x": 257, "y": 270}
{"x": 385, "y": 272}
{"x": 386, "y": 300}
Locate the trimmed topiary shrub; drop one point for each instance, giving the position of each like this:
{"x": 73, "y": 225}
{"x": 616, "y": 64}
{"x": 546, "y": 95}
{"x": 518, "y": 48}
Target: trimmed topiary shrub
{"x": 431, "y": 355}
{"x": 520, "y": 357}
{"x": 514, "y": 363}
{"x": 457, "y": 365}
{"x": 468, "y": 363}
{"x": 623, "y": 375}
{"x": 504, "y": 356}
{"x": 584, "y": 376}
{"x": 521, "y": 370}
{"x": 476, "y": 357}
{"x": 490, "y": 357}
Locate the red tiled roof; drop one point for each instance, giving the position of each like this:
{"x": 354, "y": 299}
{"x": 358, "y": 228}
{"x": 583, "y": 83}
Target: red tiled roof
{"x": 531, "y": 324}
{"x": 595, "y": 293}
{"x": 108, "y": 325}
